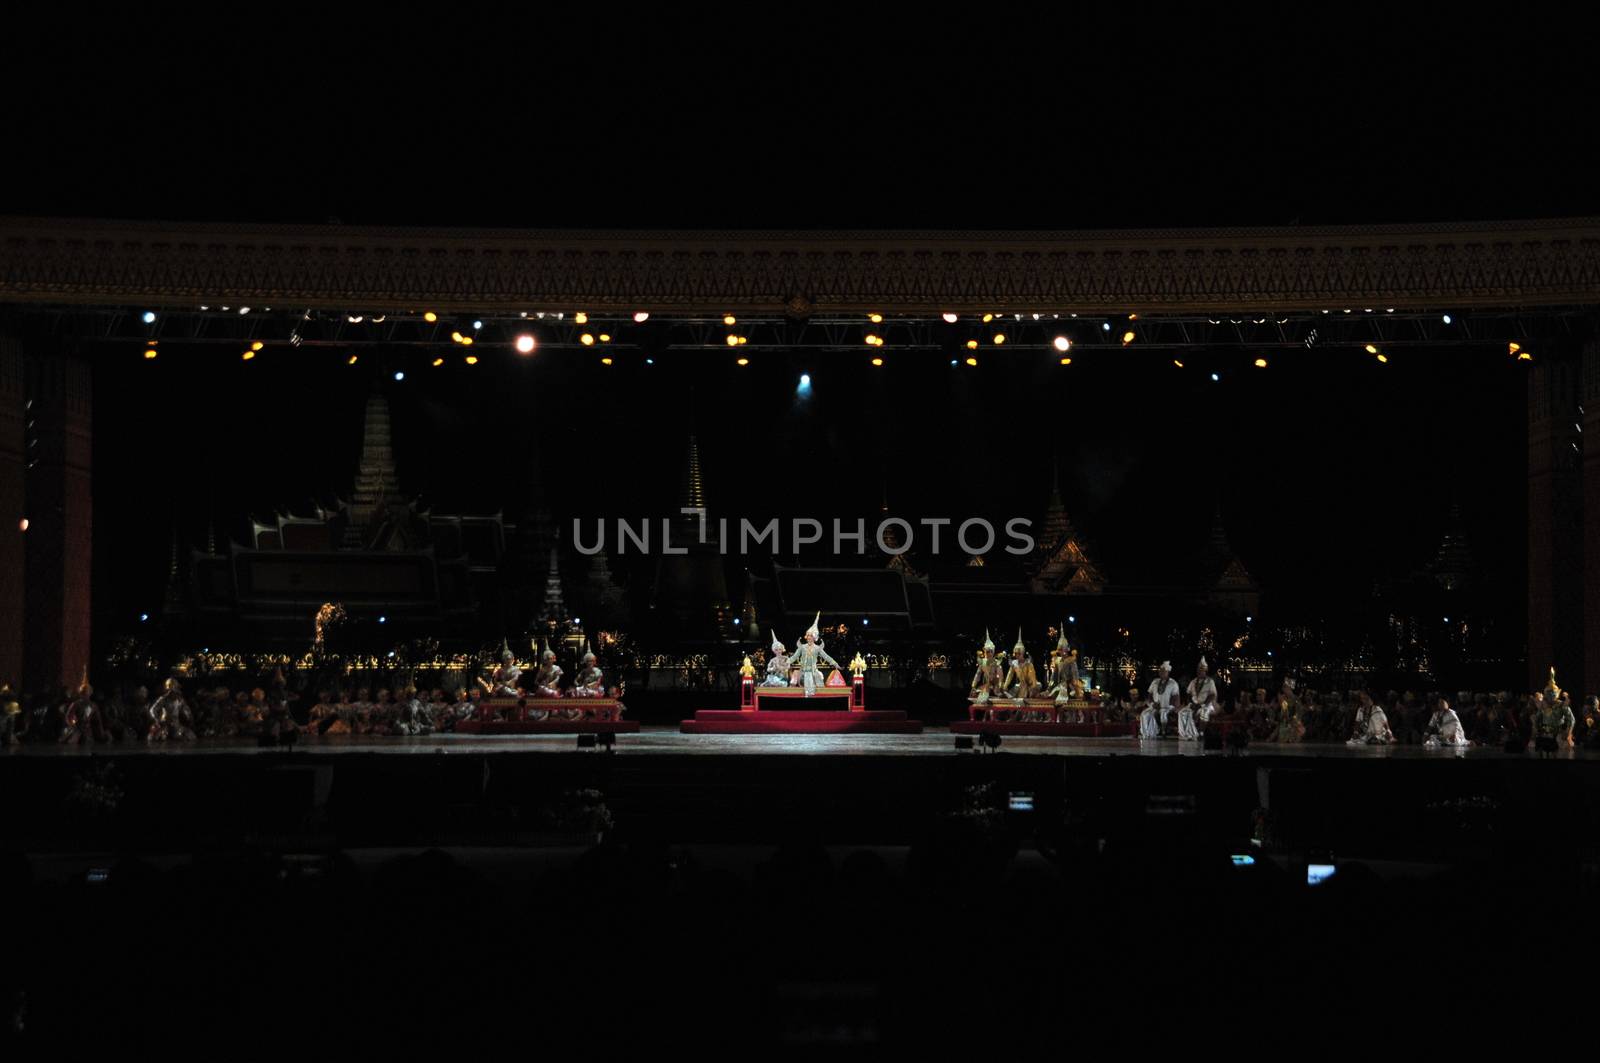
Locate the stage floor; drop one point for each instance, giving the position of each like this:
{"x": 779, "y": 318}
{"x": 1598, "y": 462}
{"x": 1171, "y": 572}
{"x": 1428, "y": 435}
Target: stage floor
{"x": 667, "y": 740}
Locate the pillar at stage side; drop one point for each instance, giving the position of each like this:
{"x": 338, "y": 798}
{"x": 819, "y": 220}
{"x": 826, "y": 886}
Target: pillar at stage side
{"x": 1555, "y": 520}
{"x": 59, "y": 539}
{"x": 13, "y": 510}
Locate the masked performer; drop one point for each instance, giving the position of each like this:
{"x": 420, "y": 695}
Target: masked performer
{"x": 806, "y": 656}
{"x": 777, "y": 665}
{"x": 1202, "y": 703}
{"x": 986, "y": 677}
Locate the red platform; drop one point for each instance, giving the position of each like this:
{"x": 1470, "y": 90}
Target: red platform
{"x": 799, "y": 721}
{"x": 546, "y": 727}
{"x": 1042, "y": 728}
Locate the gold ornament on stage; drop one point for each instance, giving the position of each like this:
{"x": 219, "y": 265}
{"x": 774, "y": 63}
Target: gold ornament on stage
{"x": 859, "y": 665}
{"x": 748, "y": 670}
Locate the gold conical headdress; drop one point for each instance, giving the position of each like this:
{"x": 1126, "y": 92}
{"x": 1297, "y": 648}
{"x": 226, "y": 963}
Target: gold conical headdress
{"x": 1019, "y": 647}
{"x": 813, "y": 630}
{"x": 988, "y": 643}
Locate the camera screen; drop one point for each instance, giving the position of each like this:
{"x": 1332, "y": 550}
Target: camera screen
{"x": 1021, "y": 802}
{"x": 1316, "y": 874}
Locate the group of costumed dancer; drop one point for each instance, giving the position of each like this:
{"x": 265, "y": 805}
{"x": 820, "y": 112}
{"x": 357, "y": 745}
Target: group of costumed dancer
{"x": 800, "y": 670}
{"x": 503, "y": 680}
{"x": 1017, "y": 680}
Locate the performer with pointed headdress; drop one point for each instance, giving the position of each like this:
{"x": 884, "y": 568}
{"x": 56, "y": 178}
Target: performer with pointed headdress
{"x": 502, "y": 682}
{"x": 806, "y": 656}
{"x": 547, "y": 677}
{"x": 1021, "y": 681}
{"x": 1065, "y": 683}
{"x": 1202, "y": 703}
{"x": 1163, "y": 698}
{"x": 986, "y": 677}
{"x": 170, "y": 718}
{"x": 590, "y": 680}
{"x": 777, "y": 665}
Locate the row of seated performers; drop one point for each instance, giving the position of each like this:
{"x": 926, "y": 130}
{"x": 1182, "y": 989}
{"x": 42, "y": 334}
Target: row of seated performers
{"x": 1017, "y": 679}
{"x": 504, "y": 681}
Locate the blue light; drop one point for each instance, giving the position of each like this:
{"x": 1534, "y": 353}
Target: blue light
{"x": 477, "y": 324}
{"x": 954, "y": 362}
{"x": 805, "y": 380}
{"x": 383, "y": 620}
{"x": 1215, "y": 378}
{"x": 865, "y": 621}
{"x": 649, "y": 361}
{"x": 149, "y": 317}
{"x": 1269, "y": 653}
{"x": 1105, "y": 326}
{"x": 735, "y": 621}
{"x": 399, "y": 376}
{"x": 143, "y": 617}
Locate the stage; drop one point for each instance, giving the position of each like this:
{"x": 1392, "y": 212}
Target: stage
{"x": 653, "y": 740}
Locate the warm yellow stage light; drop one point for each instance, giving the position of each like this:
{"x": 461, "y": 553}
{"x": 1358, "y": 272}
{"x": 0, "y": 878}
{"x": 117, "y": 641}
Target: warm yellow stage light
{"x": 352, "y": 360}
{"x": 456, "y": 336}
{"x": 743, "y": 340}
{"x": 247, "y": 355}
{"x": 438, "y": 362}
{"x": 430, "y": 317}
{"x": 729, "y": 319}
{"x": 743, "y": 361}
{"x": 733, "y": 341}
{"x": 1384, "y": 358}
{"x": 151, "y": 353}
{"x": 605, "y": 337}
{"x": 1524, "y": 357}
{"x": 1177, "y": 363}
{"x": 972, "y": 345}
{"x": 466, "y": 341}
{"x": 999, "y": 338}
{"x": 1371, "y": 349}
{"x": 972, "y": 361}
{"x": 872, "y": 341}
{"x": 1127, "y": 337}
{"x": 877, "y": 361}
{"x": 605, "y": 361}
{"x": 876, "y": 319}
{"x": 1066, "y": 361}
{"x": 1261, "y": 363}
{"x": 472, "y": 359}
{"x": 586, "y": 339}
{"x": 987, "y": 318}
{"x": 581, "y": 318}
{"x": 257, "y": 345}
{"x": 1513, "y": 347}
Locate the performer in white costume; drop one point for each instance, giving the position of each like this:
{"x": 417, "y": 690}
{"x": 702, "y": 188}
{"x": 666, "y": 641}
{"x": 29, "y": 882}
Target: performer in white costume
{"x": 1202, "y": 703}
{"x": 806, "y": 656}
{"x": 777, "y": 666}
{"x": 1163, "y": 693}
{"x": 1372, "y": 723}
{"x": 1444, "y": 729}
{"x": 986, "y": 677}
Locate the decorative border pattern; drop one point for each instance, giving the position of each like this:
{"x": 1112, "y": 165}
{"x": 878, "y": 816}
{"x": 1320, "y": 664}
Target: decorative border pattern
{"x": 1489, "y": 264}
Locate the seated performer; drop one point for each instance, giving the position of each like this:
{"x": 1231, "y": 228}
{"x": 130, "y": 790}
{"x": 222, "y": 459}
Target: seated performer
{"x": 1202, "y": 703}
{"x": 83, "y": 723}
{"x": 1444, "y": 729}
{"x": 502, "y": 682}
{"x": 777, "y": 666}
{"x": 1065, "y": 683}
{"x": 1021, "y": 681}
{"x": 1163, "y": 696}
{"x": 1372, "y": 723}
{"x": 547, "y": 677}
{"x": 986, "y": 677}
{"x": 590, "y": 680}
{"x": 1553, "y": 721}
{"x": 806, "y": 656}
{"x": 170, "y": 718}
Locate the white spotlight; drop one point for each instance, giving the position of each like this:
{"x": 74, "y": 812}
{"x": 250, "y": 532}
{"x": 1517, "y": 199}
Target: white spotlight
{"x": 949, "y": 319}
{"x": 149, "y": 317}
{"x": 641, "y": 317}
{"x": 525, "y": 344}
{"x": 1447, "y": 319}
{"x": 1063, "y": 344}
{"x": 1105, "y": 326}
{"x": 399, "y": 375}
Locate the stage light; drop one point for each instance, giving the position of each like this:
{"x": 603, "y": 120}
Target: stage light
{"x": 1127, "y": 337}
{"x": 605, "y": 361}
{"x": 525, "y": 344}
{"x": 1447, "y": 319}
{"x": 950, "y": 319}
{"x": 150, "y": 353}
{"x": 580, "y": 318}
{"x": 430, "y": 317}
{"x": 987, "y": 318}
{"x": 1133, "y": 317}
{"x": 876, "y": 319}
{"x": 877, "y": 361}
{"x": 641, "y": 317}
{"x": 472, "y": 359}
{"x": 1072, "y": 619}
{"x": 1177, "y": 363}
{"x": 972, "y": 361}
{"x": 149, "y": 317}
{"x": 742, "y": 362}
{"x": 605, "y": 337}
{"x": 649, "y": 361}
{"x": 743, "y": 340}
{"x": 972, "y": 345}
{"x": 477, "y": 324}
{"x": 1524, "y": 357}
{"x": 22, "y": 525}
{"x": 257, "y": 345}
{"x": 954, "y": 362}
{"x": 354, "y": 319}
{"x": 871, "y": 340}
{"x": 1105, "y": 326}
{"x": 586, "y": 339}
{"x": 729, "y": 319}
{"x": 383, "y": 620}
{"x": 1215, "y": 379}
{"x": 1066, "y": 361}
{"x": 1371, "y": 349}
{"x": 733, "y": 341}
{"x": 999, "y": 338}
{"x": 1261, "y": 363}
{"x": 143, "y": 617}
{"x": 399, "y": 374}
{"x": 1383, "y": 358}
{"x": 352, "y": 360}
{"x": 1063, "y": 344}
{"x": 1248, "y": 619}
{"x": 456, "y": 336}
{"x": 805, "y": 380}
{"x": 244, "y": 310}
{"x": 438, "y": 362}
{"x": 1513, "y": 347}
